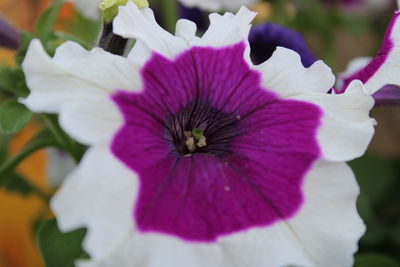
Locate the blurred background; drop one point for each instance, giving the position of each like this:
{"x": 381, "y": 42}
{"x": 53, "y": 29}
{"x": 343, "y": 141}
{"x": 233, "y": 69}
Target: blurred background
{"x": 335, "y": 31}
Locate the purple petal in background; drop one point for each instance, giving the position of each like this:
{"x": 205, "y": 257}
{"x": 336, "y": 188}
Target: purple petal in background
{"x": 196, "y": 15}
{"x": 388, "y": 95}
{"x": 266, "y": 37}
{"x": 9, "y": 36}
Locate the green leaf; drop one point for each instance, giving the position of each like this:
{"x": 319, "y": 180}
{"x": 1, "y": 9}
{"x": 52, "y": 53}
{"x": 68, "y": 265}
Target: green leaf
{"x": 25, "y": 40}
{"x": 60, "y": 249}
{"x": 4, "y": 147}
{"x": 45, "y": 25}
{"x": 65, "y": 36}
{"x": 13, "y": 116}
{"x": 83, "y": 30}
{"x": 374, "y": 260}
{"x": 12, "y": 80}
{"x": 17, "y": 184}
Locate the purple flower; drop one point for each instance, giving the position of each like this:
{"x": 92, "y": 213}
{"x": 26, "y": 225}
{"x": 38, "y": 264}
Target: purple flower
{"x": 265, "y": 38}
{"x": 9, "y": 36}
{"x": 380, "y": 71}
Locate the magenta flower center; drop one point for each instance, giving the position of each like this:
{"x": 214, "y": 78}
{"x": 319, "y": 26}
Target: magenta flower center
{"x": 215, "y": 153}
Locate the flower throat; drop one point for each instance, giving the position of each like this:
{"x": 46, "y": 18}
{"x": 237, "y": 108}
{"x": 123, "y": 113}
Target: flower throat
{"x": 201, "y": 128}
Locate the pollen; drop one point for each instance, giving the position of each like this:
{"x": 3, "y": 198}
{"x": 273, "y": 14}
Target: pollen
{"x": 195, "y": 139}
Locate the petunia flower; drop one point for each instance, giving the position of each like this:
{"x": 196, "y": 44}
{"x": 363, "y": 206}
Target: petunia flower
{"x": 380, "y": 74}
{"x": 199, "y": 158}
{"x": 9, "y": 36}
{"x": 266, "y": 37}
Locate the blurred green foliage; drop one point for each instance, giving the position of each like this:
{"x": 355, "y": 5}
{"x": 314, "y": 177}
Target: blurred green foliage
{"x": 379, "y": 206}
{"x": 60, "y": 249}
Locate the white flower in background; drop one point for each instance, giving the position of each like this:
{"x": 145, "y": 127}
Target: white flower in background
{"x": 199, "y": 158}
{"x": 90, "y": 8}
{"x": 217, "y": 5}
{"x": 59, "y": 164}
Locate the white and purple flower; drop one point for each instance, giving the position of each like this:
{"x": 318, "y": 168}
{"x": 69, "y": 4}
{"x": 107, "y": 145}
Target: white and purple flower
{"x": 199, "y": 158}
{"x": 380, "y": 75}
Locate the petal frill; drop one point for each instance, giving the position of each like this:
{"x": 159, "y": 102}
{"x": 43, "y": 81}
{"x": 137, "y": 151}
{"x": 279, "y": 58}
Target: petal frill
{"x": 346, "y": 128}
{"x": 227, "y": 29}
{"x": 98, "y": 195}
{"x": 141, "y": 25}
{"x": 77, "y": 84}
{"x": 186, "y": 29}
{"x": 284, "y": 74}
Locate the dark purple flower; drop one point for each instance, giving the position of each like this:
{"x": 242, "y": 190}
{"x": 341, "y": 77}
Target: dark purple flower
{"x": 196, "y": 15}
{"x": 263, "y": 38}
{"x": 388, "y": 95}
{"x": 266, "y": 37}
{"x": 9, "y": 36}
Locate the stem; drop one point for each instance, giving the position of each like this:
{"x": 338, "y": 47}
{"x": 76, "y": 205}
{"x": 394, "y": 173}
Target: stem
{"x": 11, "y": 164}
{"x": 170, "y": 11}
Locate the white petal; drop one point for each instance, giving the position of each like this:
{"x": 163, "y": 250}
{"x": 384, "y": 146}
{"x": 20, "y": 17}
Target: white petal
{"x": 284, "y": 74}
{"x": 346, "y": 129}
{"x": 140, "y": 53}
{"x": 329, "y": 225}
{"x": 186, "y": 30}
{"x": 91, "y": 122}
{"x": 76, "y": 83}
{"x": 211, "y": 5}
{"x": 227, "y": 29}
{"x": 140, "y": 24}
{"x": 99, "y": 195}
{"x": 105, "y": 70}
{"x": 217, "y": 5}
